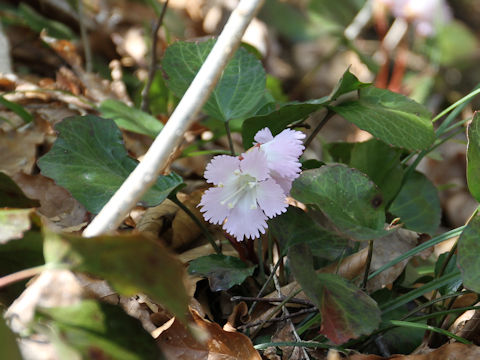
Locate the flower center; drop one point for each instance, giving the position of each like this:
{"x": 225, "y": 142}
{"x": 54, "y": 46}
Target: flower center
{"x": 243, "y": 186}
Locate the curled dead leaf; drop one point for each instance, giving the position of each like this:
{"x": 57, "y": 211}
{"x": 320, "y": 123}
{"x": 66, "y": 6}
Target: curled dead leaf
{"x": 56, "y": 203}
{"x": 171, "y": 224}
{"x": 18, "y": 150}
{"x": 178, "y": 343}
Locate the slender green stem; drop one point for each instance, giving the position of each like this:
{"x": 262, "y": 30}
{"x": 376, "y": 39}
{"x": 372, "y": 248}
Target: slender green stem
{"x": 423, "y": 153}
{"x": 454, "y": 126}
{"x": 145, "y": 106}
{"x": 314, "y": 320}
{"x": 415, "y": 293}
{"x": 419, "y": 249}
{"x": 83, "y": 33}
{"x": 444, "y": 312}
{"x": 261, "y": 268}
{"x": 458, "y": 103}
{"x": 431, "y": 328}
{"x": 196, "y": 221}
{"x": 431, "y": 302}
{"x": 367, "y": 265}
{"x": 206, "y": 152}
{"x": 229, "y": 137}
{"x": 319, "y": 127}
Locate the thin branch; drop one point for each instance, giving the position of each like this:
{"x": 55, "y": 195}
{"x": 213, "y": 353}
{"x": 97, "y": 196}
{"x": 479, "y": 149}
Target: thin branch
{"x": 367, "y": 265}
{"x": 272, "y": 300}
{"x": 153, "y": 60}
{"x": 278, "y": 319}
{"x": 84, "y": 35}
{"x": 145, "y": 174}
{"x": 262, "y": 290}
{"x": 287, "y": 313}
{"x": 21, "y": 275}
{"x": 199, "y": 223}
{"x": 319, "y": 127}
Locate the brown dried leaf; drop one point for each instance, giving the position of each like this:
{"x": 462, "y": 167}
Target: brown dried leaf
{"x": 178, "y": 343}
{"x": 56, "y": 203}
{"x": 284, "y": 334}
{"x": 18, "y": 150}
{"x": 184, "y": 229}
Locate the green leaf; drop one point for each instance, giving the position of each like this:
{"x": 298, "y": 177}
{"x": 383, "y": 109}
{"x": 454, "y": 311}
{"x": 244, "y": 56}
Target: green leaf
{"x": 346, "y": 84}
{"x": 468, "y": 254}
{"x": 97, "y": 330}
{"x": 8, "y": 346}
{"x": 278, "y": 120}
{"x": 338, "y": 152}
{"x": 391, "y": 117}
{"x": 347, "y": 197}
{"x": 346, "y": 311}
{"x": 38, "y": 22}
{"x": 130, "y": 118}
{"x": 89, "y": 160}
{"x": 450, "y": 268}
{"x": 418, "y": 205}
{"x": 239, "y": 89}
{"x": 473, "y": 156}
{"x": 454, "y": 43}
{"x": 12, "y": 196}
{"x": 17, "y": 109}
{"x": 222, "y": 271}
{"x": 296, "y": 227}
{"x": 132, "y": 264}
{"x": 382, "y": 165}
{"x": 340, "y": 12}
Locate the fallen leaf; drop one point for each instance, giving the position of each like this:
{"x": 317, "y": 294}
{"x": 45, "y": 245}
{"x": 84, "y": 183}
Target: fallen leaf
{"x": 56, "y": 203}
{"x": 18, "y": 150}
{"x": 178, "y": 343}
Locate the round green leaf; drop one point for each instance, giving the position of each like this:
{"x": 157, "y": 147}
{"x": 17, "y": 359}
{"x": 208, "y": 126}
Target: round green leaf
{"x": 347, "y": 312}
{"x": 418, "y": 205}
{"x": 278, "y": 120}
{"x": 222, "y": 271}
{"x": 391, "y": 117}
{"x": 130, "y": 118}
{"x": 296, "y": 227}
{"x": 89, "y": 160}
{"x": 347, "y": 197}
{"x": 469, "y": 254}
{"x": 239, "y": 89}
{"x": 381, "y": 163}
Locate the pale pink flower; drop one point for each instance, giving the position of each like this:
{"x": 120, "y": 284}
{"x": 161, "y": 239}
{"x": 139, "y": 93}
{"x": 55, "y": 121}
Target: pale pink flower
{"x": 244, "y": 196}
{"x": 425, "y": 15}
{"x": 283, "y": 152}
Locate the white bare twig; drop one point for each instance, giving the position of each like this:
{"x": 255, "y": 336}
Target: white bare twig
{"x": 145, "y": 174}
